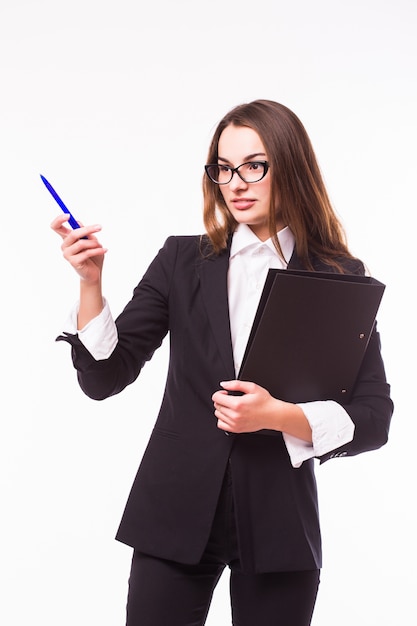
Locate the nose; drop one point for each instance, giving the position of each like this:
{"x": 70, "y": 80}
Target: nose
{"x": 237, "y": 183}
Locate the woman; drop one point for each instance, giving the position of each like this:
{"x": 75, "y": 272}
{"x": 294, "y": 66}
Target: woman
{"x": 212, "y": 489}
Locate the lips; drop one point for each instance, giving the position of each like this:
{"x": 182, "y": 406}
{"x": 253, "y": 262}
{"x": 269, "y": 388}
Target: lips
{"x": 243, "y": 203}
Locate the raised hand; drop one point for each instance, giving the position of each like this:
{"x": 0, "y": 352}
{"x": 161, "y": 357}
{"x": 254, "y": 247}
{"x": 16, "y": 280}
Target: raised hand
{"x": 81, "y": 248}
{"x": 85, "y": 253}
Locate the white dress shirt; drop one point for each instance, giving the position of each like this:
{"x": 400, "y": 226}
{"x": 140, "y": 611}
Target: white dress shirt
{"x": 250, "y": 259}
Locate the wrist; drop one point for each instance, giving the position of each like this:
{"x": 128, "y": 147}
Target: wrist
{"x": 276, "y": 414}
{"x": 291, "y": 419}
{"x": 91, "y": 302}
{"x": 89, "y": 283}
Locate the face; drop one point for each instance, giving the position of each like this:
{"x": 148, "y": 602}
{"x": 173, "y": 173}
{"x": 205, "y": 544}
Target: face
{"x": 247, "y": 202}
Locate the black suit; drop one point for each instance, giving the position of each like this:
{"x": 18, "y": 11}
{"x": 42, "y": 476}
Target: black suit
{"x": 171, "y": 506}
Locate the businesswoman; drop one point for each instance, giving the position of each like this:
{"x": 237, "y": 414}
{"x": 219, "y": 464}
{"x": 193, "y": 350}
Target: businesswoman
{"x": 214, "y": 487}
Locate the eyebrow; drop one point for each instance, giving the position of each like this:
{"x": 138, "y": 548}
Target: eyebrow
{"x": 247, "y": 158}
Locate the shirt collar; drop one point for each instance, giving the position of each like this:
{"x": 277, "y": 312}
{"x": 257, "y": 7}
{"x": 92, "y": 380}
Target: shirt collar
{"x": 244, "y": 238}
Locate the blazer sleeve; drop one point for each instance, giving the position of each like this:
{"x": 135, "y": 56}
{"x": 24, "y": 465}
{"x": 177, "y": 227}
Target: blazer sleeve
{"x": 370, "y": 407}
{"x": 141, "y": 328}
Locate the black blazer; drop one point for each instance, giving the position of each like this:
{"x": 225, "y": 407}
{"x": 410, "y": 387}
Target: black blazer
{"x": 174, "y": 495}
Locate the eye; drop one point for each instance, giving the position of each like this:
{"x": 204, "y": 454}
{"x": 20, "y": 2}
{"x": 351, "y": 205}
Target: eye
{"x": 224, "y": 168}
{"x": 254, "y": 166}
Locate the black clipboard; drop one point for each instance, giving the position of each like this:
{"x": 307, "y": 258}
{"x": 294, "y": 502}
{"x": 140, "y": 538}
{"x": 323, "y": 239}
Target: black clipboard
{"x": 310, "y": 334}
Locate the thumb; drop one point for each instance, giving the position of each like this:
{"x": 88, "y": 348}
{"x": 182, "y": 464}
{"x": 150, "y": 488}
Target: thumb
{"x": 236, "y": 387}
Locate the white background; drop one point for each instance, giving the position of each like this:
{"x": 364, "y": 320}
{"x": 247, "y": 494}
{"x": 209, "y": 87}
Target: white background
{"x": 115, "y": 103}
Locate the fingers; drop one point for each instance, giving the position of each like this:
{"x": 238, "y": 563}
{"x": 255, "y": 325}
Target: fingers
{"x": 231, "y": 390}
{"x": 223, "y": 426}
{"x": 59, "y": 225}
{"x": 81, "y": 248}
{"x": 78, "y": 240}
{"x": 241, "y": 386}
{"x": 241, "y": 406}
{"x": 226, "y": 408}
{"x": 223, "y": 422}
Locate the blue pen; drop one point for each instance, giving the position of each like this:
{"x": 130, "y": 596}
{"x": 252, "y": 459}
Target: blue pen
{"x": 72, "y": 221}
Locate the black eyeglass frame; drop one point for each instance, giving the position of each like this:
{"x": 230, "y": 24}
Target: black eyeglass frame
{"x": 234, "y": 170}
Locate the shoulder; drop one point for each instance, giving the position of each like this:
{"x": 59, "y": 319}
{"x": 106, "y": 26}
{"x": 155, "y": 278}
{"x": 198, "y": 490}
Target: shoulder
{"x": 197, "y": 246}
{"x": 183, "y": 242}
{"x": 182, "y": 246}
{"x": 183, "y": 251}
{"x": 351, "y": 265}
{"x": 344, "y": 264}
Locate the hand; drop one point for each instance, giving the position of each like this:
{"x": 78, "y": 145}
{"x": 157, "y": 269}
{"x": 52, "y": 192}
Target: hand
{"x": 254, "y": 410}
{"x": 85, "y": 255}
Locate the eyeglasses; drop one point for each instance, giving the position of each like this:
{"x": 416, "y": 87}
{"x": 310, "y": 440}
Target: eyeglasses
{"x": 250, "y": 172}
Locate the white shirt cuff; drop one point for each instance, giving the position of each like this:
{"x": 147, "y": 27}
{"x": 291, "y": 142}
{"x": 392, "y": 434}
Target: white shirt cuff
{"x": 99, "y": 336}
{"x": 331, "y": 428}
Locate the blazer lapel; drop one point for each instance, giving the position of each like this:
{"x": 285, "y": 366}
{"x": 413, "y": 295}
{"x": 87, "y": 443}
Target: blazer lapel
{"x": 213, "y": 281}
{"x": 295, "y": 263}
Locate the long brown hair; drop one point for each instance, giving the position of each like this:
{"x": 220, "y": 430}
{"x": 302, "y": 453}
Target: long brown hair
{"x": 297, "y": 186}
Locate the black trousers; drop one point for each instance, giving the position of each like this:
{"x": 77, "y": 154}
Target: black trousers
{"x": 165, "y": 593}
